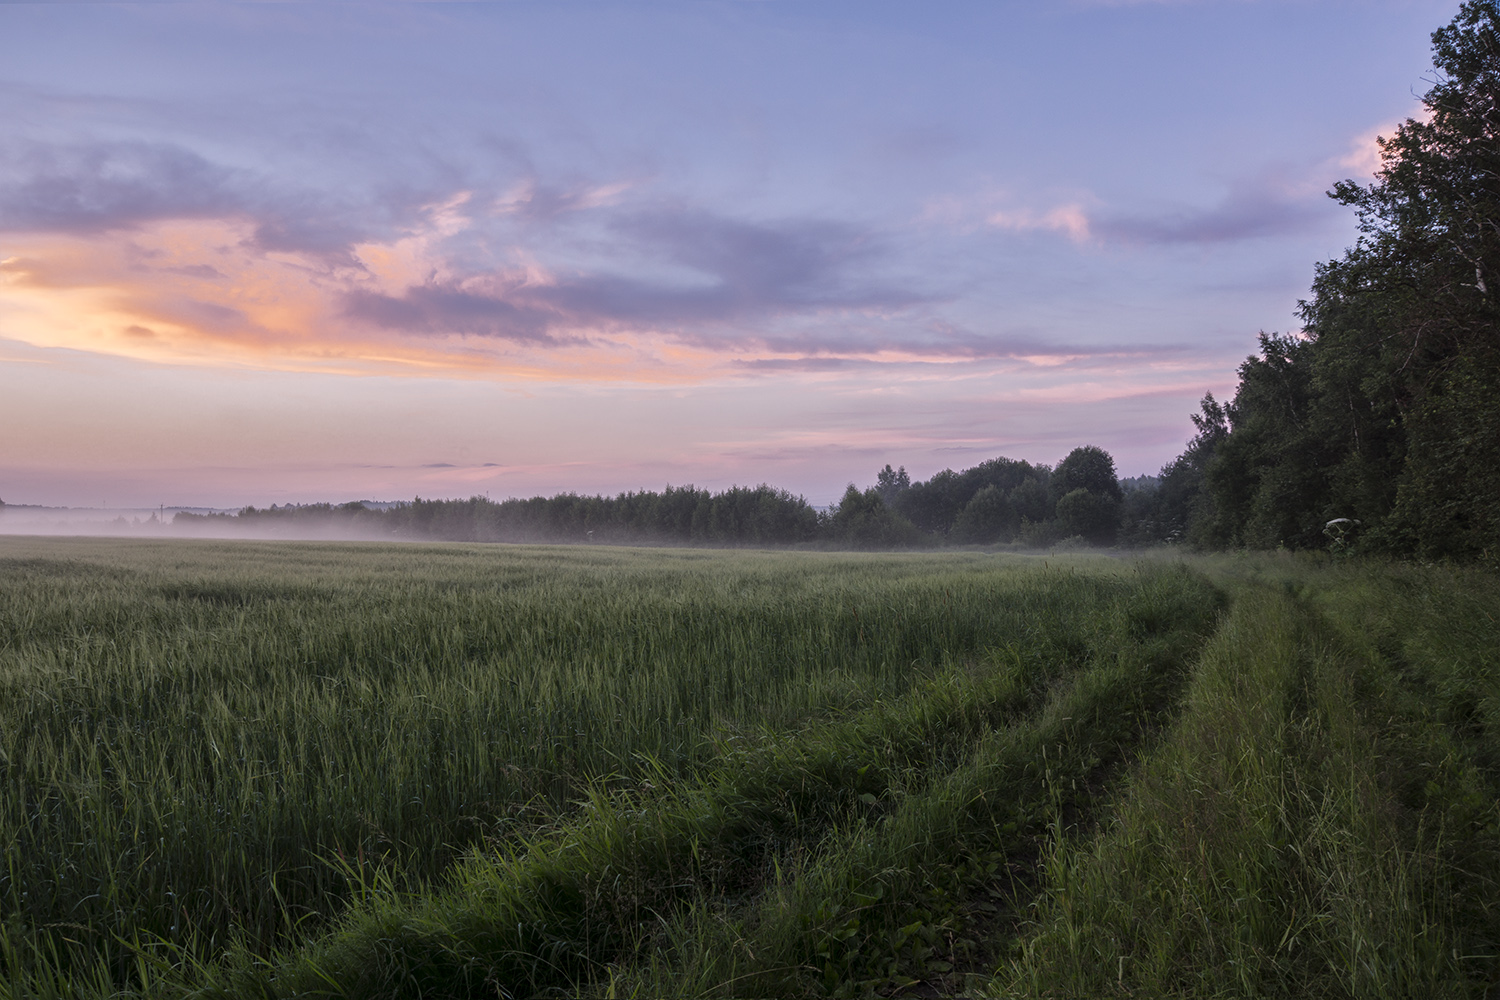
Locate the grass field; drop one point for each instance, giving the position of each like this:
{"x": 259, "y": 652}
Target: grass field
{"x": 274, "y": 770}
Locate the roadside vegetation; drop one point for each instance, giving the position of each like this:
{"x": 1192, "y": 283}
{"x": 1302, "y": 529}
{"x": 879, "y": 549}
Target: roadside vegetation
{"x": 1322, "y": 819}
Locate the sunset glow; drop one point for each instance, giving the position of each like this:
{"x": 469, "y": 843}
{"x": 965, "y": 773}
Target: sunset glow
{"x": 257, "y": 253}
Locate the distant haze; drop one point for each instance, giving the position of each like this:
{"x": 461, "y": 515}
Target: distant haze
{"x": 259, "y": 253}
{"x": 158, "y": 523}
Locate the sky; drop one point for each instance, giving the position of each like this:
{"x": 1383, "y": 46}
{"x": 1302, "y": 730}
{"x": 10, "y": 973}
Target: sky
{"x": 299, "y": 252}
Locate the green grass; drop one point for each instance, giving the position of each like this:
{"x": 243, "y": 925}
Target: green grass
{"x": 1321, "y": 821}
{"x": 200, "y": 741}
{"x": 275, "y": 770}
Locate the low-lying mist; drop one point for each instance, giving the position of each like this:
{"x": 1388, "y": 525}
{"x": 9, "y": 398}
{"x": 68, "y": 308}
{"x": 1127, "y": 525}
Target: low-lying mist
{"x": 170, "y": 522}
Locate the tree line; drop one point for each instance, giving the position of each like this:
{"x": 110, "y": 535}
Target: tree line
{"x": 684, "y": 515}
{"x": 999, "y": 501}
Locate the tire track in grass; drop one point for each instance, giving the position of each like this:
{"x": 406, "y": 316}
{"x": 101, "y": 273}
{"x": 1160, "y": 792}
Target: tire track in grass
{"x": 905, "y": 902}
{"x": 772, "y": 854}
{"x": 1308, "y": 828}
{"x": 551, "y": 911}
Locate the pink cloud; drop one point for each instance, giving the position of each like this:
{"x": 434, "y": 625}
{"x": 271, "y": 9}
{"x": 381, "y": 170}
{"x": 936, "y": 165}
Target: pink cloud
{"x": 1070, "y": 220}
{"x": 1365, "y": 156}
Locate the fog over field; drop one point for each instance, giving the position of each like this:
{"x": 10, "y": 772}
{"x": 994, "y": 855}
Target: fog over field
{"x": 158, "y": 522}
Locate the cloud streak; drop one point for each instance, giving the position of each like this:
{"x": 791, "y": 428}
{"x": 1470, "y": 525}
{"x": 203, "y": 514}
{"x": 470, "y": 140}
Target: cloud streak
{"x": 105, "y": 188}
{"x": 1276, "y": 202}
{"x": 445, "y": 309}
{"x": 1071, "y": 220}
{"x": 1254, "y": 208}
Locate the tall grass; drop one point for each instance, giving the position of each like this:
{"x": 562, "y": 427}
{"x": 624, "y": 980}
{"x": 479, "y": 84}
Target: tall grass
{"x": 210, "y": 745}
{"x": 233, "y": 770}
{"x": 791, "y": 862}
{"x": 1311, "y": 827}
{"x": 913, "y": 895}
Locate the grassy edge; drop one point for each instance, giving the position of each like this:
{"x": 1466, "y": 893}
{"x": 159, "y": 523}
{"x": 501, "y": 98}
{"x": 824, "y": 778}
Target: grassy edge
{"x": 1271, "y": 845}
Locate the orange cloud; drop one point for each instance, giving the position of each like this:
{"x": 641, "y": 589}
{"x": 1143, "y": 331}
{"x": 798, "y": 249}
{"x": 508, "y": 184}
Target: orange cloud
{"x": 205, "y": 292}
{"x": 201, "y": 292}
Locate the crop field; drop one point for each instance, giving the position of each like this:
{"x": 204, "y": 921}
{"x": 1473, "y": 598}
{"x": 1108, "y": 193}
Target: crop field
{"x": 263, "y": 770}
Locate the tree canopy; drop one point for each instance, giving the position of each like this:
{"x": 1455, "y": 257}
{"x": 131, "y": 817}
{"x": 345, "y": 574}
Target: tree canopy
{"x": 1383, "y": 410}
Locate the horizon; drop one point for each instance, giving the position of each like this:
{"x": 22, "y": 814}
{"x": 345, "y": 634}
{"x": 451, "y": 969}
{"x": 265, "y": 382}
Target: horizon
{"x": 374, "y": 504}
{"x": 256, "y": 254}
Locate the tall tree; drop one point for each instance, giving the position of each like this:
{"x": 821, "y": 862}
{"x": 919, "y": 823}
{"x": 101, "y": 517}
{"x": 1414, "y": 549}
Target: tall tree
{"x": 1385, "y": 411}
{"x": 890, "y": 483}
{"x": 1406, "y": 321}
{"x": 1164, "y": 513}
{"x": 1267, "y": 481}
{"x": 1086, "y": 495}
{"x": 1086, "y": 468}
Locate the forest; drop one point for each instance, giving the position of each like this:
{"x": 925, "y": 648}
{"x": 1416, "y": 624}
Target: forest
{"x": 998, "y": 501}
{"x": 1381, "y": 415}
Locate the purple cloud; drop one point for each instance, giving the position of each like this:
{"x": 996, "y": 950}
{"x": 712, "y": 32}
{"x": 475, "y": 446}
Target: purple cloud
{"x": 437, "y": 308}
{"x": 821, "y": 354}
{"x": 1254, "y": 209}
{"x": 814, "y": 364}
{"x": 96, "y": 187}
{"x": 746, "y": 271}
{"x": 90, "y": 188}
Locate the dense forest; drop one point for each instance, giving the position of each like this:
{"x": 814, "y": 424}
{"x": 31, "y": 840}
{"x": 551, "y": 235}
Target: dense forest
{"x": 1375, "y": 428}
{"x": 1378, "y": 426}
